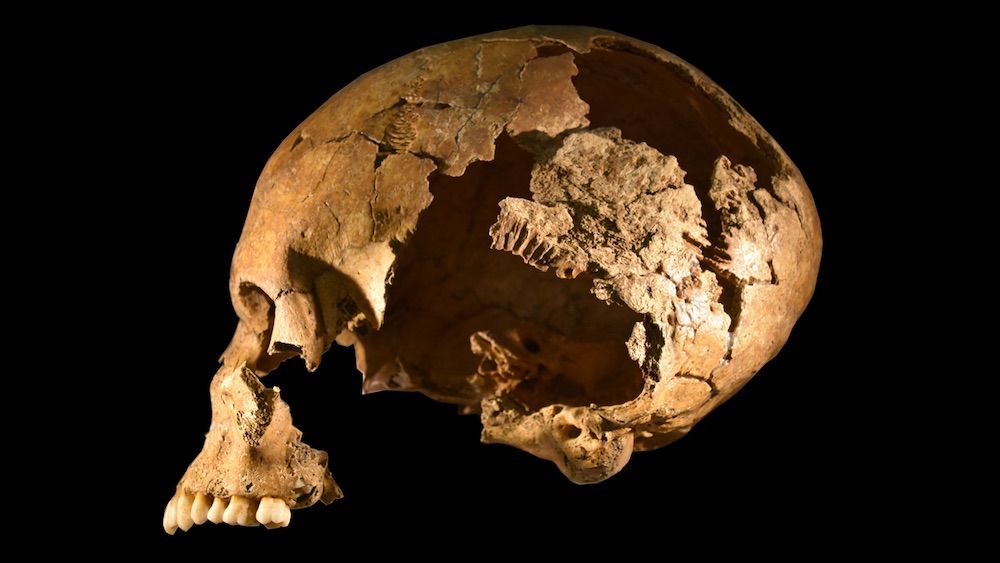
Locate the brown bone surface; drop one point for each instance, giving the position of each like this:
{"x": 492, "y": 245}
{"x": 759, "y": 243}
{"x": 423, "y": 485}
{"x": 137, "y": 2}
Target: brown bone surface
{"x": 571, "y": 232}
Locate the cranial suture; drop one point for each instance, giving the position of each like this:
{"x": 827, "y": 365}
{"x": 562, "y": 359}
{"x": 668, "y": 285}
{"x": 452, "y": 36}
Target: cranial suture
{"x": 573, "y": 233}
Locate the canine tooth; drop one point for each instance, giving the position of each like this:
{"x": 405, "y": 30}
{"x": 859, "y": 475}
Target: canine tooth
{"x": 199, "y": 508}
{"x": 218, "y": 508}
{"x": 170, "y": 517}
{"x": 247, "y": 517}
{"x": 184, "y": 502}
{"x": 237, "y": 506}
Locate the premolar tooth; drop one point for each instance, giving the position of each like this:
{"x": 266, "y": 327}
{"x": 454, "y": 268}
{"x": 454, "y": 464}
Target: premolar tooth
{"x": 199, "y": 508}
{"x": 237, "y": 506}
{"x": 184, "y": 502}
{"x": 247, "y": 517}
{"x": 170, "y": 517}
{"x": 218, "y": 509}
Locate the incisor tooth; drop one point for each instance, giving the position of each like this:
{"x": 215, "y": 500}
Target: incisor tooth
{"x": 218, "y": 508}
{"x": 184, "y": 502}
{"x": 170, "y": 517}
{"x": 199, "y": 508}
{"x": 237, "y": 506}
{"x": 246, "y": 518}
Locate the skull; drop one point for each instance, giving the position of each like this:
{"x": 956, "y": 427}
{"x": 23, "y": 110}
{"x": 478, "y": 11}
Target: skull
{"x": 570, "y": 232}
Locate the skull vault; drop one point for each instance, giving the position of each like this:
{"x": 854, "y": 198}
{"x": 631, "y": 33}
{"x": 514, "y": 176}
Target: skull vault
{"x": 572, "y": 233}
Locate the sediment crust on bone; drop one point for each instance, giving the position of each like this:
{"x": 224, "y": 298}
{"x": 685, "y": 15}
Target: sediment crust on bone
{"x": 252, "y": 451}
{"x": 623, "y": 212}
{"x": 659, "y": 259}
{"x": 533, "y": 232}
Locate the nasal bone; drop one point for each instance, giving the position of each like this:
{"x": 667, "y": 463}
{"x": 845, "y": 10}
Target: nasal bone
{"x": 297, "y": 327}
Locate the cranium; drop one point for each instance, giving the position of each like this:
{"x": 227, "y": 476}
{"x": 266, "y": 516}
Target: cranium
{"x": 573, "y": 233}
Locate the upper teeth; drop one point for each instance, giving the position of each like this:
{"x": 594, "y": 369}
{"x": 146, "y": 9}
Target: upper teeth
{"x": 273, "y": 513}
{"x": 186, "y": 510}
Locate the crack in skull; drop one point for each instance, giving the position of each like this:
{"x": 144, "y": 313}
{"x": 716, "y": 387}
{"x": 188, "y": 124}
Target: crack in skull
{"x": 613, "y": 274}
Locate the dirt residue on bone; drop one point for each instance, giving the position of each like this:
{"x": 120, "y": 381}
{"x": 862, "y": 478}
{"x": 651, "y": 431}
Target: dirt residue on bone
{"x": 449, "y": 285}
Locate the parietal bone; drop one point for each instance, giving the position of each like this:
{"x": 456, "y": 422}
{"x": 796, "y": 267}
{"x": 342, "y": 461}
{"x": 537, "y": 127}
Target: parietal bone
{"x": 573, "y": 233}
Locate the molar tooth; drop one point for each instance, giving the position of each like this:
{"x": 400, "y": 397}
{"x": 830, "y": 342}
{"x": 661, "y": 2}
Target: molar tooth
{"x": 237, "y": 506}
{"x": 199, "y": 508}
{"x": 273, "y": 513}
{"x": 184, "y": 502}
{"x": 281, "y": 514}
{"x": 218, "y": 509}
{"x": 170, "y": 517}
{"x": 265, "y": 512}
{"x": 246, "y": 518}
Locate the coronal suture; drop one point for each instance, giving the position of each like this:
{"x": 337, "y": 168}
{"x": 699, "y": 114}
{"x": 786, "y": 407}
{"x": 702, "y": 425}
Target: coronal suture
{"x": 572, "y": 233}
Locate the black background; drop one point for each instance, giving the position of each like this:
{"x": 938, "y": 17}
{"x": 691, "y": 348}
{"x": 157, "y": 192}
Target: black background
{"x": 200, "y": 111}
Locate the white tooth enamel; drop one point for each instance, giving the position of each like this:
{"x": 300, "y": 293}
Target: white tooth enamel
{"x": 273, "y": 513}
{"x": 170, "y": 517}
{"x": 237, "y": 506}
{"x": 285, "y": 514}
{"x": 199, "y": 508}
{"x": 184, "y": 502}
{"x": 218, "y": 508}
{"x": 265, "y": 511}
{"x": 247, "y": 517}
